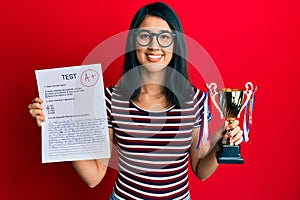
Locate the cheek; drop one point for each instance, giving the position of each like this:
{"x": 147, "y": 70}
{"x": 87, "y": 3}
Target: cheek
{"x": 168, "y": 56}
{"x": 139, "y": 54}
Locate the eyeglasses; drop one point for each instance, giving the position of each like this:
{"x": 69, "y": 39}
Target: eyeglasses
{"x": 164, "y": 38}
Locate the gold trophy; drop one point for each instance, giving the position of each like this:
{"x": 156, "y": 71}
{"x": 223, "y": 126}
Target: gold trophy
{"x": 230, "y": 107}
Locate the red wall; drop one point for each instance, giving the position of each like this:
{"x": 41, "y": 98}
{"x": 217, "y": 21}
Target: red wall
{"x": 254, "y": 41}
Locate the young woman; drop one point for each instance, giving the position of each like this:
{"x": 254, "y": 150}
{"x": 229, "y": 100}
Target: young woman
{"x": 154, "y": 115}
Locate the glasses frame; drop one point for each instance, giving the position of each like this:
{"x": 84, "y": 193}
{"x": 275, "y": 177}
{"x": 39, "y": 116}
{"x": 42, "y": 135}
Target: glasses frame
{"x": 157, "y": 36}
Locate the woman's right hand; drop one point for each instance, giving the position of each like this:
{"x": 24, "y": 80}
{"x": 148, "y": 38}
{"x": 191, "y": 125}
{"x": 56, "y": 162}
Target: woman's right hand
{"x": 36, "y": 110}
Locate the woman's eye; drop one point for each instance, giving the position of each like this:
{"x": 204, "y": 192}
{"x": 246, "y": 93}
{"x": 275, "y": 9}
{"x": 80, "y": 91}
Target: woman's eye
{"x": 165, "y": 36}
{"x": 144, "y": 36}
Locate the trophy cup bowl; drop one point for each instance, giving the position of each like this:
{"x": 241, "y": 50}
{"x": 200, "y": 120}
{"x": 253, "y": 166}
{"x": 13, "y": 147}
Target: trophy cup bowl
{"x": 231, "y": 103}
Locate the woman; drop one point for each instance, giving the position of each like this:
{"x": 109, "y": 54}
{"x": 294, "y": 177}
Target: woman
{"x": 154, "y": 115}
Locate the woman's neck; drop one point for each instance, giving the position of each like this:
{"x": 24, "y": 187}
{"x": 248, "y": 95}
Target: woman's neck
{"x": 152, "y": 89}
{"x": 152, "y": 79}
{"x": 152, "y": 97}
{"x": 152, "y": 92}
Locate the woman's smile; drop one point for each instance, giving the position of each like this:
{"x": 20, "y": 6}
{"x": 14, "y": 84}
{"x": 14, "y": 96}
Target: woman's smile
{"x": 154, "y": 57}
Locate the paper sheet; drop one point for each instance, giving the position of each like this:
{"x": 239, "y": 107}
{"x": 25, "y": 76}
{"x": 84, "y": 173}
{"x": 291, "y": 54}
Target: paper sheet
{"x": 74, "y": 107}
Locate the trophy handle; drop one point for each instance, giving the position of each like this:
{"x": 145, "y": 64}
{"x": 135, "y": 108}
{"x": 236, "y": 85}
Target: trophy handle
{"x": 212, "y": 90}
{"x": 249, "y": 90}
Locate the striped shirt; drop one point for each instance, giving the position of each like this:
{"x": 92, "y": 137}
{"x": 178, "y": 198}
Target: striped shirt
{"x": 153, "y": 147}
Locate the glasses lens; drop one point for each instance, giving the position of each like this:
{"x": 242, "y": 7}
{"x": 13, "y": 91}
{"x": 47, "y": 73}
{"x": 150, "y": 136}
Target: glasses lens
{"x": 165, "y": 39}
{"x": 143, "y": 38}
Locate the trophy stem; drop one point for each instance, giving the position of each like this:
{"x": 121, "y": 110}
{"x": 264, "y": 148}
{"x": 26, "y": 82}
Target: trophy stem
{"x": 230, "y": 120}
{"x": 229, "y": 154}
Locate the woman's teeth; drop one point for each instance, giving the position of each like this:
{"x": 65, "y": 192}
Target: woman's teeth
{"x": 154, "y": 56}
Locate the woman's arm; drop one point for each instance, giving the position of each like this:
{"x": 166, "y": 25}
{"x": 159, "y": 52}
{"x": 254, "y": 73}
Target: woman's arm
{"x": 93, "y": 171}
{"x": 203, "y": 160}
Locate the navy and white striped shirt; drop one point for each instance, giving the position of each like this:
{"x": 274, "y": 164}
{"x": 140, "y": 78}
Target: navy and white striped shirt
{"x": 153, "y": 147}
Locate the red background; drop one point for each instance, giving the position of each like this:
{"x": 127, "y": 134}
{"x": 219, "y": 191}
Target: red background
{"x": 254, "y": 41}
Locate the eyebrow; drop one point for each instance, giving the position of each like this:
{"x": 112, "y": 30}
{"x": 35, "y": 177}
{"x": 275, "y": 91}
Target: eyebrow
{"x": 161, "y": 31}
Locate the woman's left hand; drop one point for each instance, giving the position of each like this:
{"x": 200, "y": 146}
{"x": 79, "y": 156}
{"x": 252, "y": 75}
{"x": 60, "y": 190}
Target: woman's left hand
{"x": 233, "y": 133}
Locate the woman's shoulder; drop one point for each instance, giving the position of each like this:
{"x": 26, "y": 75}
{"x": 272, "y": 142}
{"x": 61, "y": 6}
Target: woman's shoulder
{"x": 110, "y": 88}
{"x": 197, "y": 92}
{"x": 111, "y": 91}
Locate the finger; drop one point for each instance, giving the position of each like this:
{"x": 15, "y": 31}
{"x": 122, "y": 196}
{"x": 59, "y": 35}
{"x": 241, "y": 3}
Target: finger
{"x": 39, "y": 120}
{"x": 225, "y": 138}
{"x": 37, "y": 100}
{"x": 39, "y": 123}
{"x": 226, "y": 125}
{"x": 36, "y": 112}
{"x": 35, "y": 106}
{"x": 239, "y": 138}
{"x": 231, "y": 135}
{"x": 233, "y": 132}
{"x": 234, "y": 124}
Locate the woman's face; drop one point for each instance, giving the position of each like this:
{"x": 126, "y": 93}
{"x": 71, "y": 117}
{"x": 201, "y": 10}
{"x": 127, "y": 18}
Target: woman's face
{"x": 153, "y": 56}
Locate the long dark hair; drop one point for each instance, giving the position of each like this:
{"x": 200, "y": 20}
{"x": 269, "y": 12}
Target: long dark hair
{"x": 177, "y": 86}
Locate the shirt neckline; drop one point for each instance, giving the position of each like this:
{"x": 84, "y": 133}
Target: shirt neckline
{"x": 151, "y": 111}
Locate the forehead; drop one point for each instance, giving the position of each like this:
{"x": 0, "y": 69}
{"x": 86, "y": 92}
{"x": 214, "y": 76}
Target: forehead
{"x": 154, "y": 24}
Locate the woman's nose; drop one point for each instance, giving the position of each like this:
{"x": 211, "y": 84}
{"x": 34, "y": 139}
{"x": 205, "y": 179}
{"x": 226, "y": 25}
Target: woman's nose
{"x": 154, "y": 44}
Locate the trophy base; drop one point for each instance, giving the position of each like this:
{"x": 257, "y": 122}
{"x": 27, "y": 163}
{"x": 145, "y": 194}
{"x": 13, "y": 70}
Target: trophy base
{"x": 229, "y": 155}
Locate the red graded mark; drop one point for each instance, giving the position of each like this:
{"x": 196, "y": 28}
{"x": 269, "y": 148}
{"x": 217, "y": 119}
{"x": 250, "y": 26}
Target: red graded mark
{"x": 89, "y": 78}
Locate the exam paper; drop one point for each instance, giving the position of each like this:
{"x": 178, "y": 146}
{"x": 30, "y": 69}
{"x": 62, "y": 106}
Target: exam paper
{"x": 74, "y": 106}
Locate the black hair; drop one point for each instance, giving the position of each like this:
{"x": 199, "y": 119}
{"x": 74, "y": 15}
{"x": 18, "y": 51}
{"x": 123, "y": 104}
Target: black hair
{"x": 177, "y": 86}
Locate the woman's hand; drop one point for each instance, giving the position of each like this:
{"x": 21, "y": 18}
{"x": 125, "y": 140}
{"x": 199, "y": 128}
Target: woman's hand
{"x": 233, "y": 133}
{"x": 36, "y": 110}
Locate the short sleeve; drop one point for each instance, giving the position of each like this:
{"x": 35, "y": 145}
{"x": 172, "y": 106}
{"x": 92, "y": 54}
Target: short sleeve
{"x": 108, "y": 98}
{"x": 198, "y": 99}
